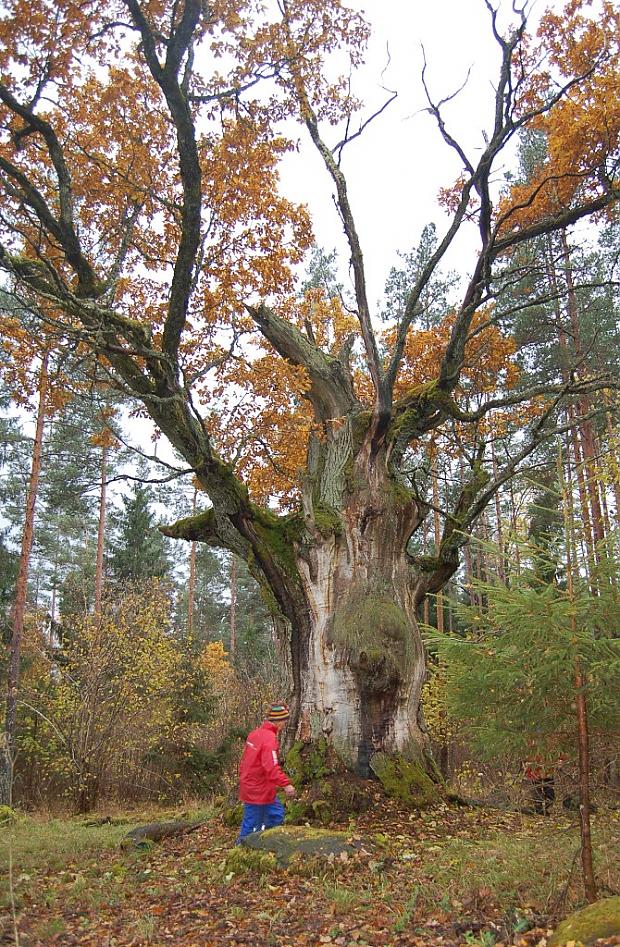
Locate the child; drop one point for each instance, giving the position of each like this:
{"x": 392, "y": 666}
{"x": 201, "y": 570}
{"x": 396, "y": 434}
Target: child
{"x": 260, "y": 775}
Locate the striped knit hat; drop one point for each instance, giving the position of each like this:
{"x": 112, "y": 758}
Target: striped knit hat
{"x": 278, "y": 713}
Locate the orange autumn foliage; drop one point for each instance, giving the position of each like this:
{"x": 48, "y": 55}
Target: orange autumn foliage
{"x": 489, "y": 358}
{"x": 263, "y": 421}
{"x": 119, "y": 145}
{"x": 582, "y": 131}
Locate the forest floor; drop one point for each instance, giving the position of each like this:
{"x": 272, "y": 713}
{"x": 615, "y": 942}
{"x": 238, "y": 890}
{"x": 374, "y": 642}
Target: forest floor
{"x": 444, "y": 876}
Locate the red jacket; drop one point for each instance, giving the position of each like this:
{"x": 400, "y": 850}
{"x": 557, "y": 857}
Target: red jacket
{"x": 260, "y": 773}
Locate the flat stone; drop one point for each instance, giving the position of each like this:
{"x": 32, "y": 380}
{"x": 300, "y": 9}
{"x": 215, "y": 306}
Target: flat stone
{"x": 287, "y": 841}
{"x": 601, "y": 919}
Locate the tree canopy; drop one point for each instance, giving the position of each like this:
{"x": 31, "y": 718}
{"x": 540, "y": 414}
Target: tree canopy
{"x": 142, "y": 221}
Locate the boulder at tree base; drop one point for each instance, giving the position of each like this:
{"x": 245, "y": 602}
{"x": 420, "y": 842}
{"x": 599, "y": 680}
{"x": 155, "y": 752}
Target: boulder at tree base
{"x": 601, "y": 919}
{"x": 406, "y": 781}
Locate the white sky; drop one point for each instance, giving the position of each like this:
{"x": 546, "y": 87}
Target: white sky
{"x": 395, "y": 169}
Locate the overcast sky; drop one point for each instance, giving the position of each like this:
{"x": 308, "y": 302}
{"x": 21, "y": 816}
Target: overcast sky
{"x": 396, "y": 168}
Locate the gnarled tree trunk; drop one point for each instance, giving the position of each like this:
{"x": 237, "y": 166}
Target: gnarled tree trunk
{"x": 347, "y": 596}
{"x": 364, "y": 664}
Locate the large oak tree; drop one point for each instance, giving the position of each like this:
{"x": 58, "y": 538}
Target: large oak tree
{"x": 140, "y": 211}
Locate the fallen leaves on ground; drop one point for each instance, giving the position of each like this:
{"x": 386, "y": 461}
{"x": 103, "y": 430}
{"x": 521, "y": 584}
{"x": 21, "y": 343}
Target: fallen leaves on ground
{"x": 392, "y": 893}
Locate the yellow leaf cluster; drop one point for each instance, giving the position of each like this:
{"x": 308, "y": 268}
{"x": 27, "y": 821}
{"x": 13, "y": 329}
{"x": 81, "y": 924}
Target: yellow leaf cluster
{"x": 214, "y": 659}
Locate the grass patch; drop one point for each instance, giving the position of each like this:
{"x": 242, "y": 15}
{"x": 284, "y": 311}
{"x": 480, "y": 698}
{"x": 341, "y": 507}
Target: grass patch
{"x": 53, "y": 842}
{"x": 517, "y": 868}
{"x": 404, "y": 918}
{"x": 36, "y": 842}
{"x": 491, "y": 875}
{"x": 50, "y": 929}
{"x": 344, "y": 898}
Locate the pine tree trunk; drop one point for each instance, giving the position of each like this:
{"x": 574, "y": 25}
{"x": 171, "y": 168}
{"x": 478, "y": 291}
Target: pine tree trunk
{"x": 191, "y": 588}
{"x": 587, "y": 869}
{"x": 101, "y": 535}
{"x": 615, "y": 466}
{"x": 426, "y": 609}
{"x": 501, "y": 563}
{"x": 565, "y": 361}
{"x": 467, "y": 556}
{"x": 233, "y": 608}
{"x": 517, "y": 546}
{"x": 437, "y": 529}
{"x": 7, "y": 757}
{"x": 583, "y": 743}
{"x": 586, "y": 430}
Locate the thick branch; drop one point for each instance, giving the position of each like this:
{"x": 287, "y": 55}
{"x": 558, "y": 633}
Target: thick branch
{"x": 189, "y": 164}
{"x": 64, "y": 228}
{"x": 476, "y": 495}
{"x": 357, "y": 260}
{"x": 331, "y": 392}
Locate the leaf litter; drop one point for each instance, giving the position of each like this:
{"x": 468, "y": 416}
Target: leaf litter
{"x": 416, "y": 880}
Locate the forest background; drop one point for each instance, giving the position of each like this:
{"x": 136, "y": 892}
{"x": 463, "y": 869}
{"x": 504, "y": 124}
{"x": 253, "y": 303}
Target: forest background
{"x": 141, "y": 658}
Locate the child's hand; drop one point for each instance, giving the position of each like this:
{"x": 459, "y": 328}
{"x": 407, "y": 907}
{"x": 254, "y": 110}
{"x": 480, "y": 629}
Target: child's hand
{"x": 290, "y": 791}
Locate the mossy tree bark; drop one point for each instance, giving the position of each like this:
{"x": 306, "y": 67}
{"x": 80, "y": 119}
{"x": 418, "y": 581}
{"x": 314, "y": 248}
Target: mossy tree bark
{"x": 364, "y": 661}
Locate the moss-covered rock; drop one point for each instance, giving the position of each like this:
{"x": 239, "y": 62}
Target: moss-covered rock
{"x": 310, "y": 810}
{"x": 144, "y": 836}
{"x": 335, "y": 798}
{"x": 285, "y": 842}
{"x": 405, "y": 780}
{"x": 601, "y": 919}
{"x": 241, "y": 860}
{"x": 328, "y": 791}
{"x": 232, "y": 815}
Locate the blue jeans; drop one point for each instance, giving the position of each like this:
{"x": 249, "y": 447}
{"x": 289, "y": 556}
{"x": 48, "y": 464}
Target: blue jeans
{"x": 257, "y": 817}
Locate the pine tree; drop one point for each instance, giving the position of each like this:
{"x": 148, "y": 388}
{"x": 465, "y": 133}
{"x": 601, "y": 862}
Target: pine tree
{"x": 137, "y": 550}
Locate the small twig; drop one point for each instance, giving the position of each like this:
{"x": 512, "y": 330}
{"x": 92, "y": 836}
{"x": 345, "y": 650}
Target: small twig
{"x": 561, "y": 898}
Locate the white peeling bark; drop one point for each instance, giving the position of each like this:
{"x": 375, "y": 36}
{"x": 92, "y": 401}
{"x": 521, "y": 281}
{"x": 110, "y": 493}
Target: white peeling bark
{"x": 365, "y": 666}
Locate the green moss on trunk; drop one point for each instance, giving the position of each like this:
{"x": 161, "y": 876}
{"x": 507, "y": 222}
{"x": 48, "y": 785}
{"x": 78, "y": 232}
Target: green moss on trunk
{"x": 405, "y": 780}
{"x": 279, "y": 534}
{"x": 307, "y": 762}
{"x": 327, "y": 520}
{"x": 375, "y": 633}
